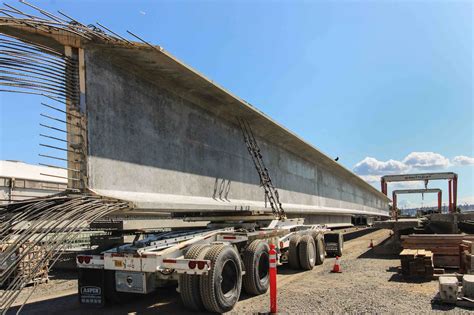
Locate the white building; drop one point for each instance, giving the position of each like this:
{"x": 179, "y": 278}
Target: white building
{"x": 20, "y": 181}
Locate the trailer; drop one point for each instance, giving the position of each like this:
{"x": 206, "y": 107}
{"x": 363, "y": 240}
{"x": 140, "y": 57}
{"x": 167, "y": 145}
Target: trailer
{"x": 210, "y": 266}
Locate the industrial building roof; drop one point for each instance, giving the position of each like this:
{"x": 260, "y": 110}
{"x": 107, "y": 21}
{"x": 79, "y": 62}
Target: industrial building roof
{"x": 21, "y": 170}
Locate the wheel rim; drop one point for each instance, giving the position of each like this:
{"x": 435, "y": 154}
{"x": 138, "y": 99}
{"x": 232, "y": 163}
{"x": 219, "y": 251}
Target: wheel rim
{"x": 229, "y": 274}
{"x": 321, "y": 251}
{"x": 263, "y": 266}
{"x": 312, "y": 254}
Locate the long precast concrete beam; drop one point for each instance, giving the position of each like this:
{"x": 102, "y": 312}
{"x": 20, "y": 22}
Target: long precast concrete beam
{"x": 163, "y": 136}
{"x": 148, "y": 203}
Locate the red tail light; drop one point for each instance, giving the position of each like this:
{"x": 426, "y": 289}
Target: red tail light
{"x": 201, "y": 264}
{"x": 84, "y": 259}
{"x": 192, "y": 264}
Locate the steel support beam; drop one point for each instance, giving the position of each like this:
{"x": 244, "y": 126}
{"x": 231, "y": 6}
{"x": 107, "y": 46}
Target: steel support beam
{"x": 450, "y": 196}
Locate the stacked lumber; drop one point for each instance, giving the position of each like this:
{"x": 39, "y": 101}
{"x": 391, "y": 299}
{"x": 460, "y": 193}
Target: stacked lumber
{"x": 417, "y": 262}
{"x": 466, "y": 252}
{"x": 27, "y": 267}
{"x": 445, "y": 247}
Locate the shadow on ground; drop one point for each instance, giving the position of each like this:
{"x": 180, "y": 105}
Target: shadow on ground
{"x": 164, "y": 301}
{"x": 375, "y": 253}
{"x": 403, "y": 279}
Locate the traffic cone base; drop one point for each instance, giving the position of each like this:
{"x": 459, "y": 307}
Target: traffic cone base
{"x": 337, "y": 267}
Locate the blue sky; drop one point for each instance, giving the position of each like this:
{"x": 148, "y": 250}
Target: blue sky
{"x": 390, "y": 80}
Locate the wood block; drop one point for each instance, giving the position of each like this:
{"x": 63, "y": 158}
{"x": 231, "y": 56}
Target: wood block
{"x": 469, "y": 244}
{"x": 405, "y": 252}
{"x": 446, "y": 261}
{"x": 438, "y": 271}
{"x": 421, "y": 252}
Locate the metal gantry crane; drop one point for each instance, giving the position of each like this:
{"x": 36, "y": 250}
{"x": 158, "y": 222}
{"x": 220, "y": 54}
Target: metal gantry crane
{"x": 451, "y": 177}
{"x": 397, "y": 192}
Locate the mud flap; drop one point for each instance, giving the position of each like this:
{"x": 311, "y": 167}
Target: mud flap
{"x": 91, "y": 287}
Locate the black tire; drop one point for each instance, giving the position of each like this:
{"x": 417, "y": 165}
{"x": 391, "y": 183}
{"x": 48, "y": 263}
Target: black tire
{"x": 340, "y": 244}
{"x": 307, "y": 252}
{"x": 320, "y": 249}
{"x": 220, "y": 288}
{"x": 189, "y": 285}
{"x": 293, "y": 254}
{"x": 314, "y": 234}
{"x": 257, "y": 262}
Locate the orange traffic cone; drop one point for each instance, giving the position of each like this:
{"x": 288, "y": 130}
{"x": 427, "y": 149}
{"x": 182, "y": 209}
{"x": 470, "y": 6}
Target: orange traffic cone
{"x": 337, "y": 267}
{"x": 371, "y": 245}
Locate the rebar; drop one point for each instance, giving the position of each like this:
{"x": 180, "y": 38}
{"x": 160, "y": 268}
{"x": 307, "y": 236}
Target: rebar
{"x": 48, "y": 223}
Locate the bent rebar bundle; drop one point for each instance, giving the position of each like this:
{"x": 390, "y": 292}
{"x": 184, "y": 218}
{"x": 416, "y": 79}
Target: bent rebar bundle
{"x": 35, "y": 69}
{"x": 47, "y": 224}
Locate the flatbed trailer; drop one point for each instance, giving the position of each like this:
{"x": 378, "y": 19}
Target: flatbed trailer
{"x": 211, "y": 266}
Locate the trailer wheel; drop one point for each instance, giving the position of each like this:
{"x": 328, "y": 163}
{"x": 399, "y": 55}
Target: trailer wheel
{"x": 220, "y": 288}
{"x": 293, "y": 254}
{"x": 307, "y": 252}
{"x": 256, "y": 261}
{"x": 340, "y": 244}
{"x": 320, "y": 250}
{"x": 189, "y": 284}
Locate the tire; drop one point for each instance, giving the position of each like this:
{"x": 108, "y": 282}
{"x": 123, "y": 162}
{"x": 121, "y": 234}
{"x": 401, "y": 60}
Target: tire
{"x": 320, "y": 250}
{"x": 307, "y": 252}
{"x": 220, "y": 288}
{"x": 257, "y": 262}
{"x": 340, "y": 245}
{"x": 190, "y": 284}
{"x": 314, "y": 234}
{"x": 293, "y": 254}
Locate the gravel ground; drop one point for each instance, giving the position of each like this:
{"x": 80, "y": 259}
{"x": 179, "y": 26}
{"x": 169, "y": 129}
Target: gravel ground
{"x": 368, "y": 284}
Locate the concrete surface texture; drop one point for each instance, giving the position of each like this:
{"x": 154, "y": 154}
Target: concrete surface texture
{"x": 163, "y": 136}
{"x": 150, "y": 145}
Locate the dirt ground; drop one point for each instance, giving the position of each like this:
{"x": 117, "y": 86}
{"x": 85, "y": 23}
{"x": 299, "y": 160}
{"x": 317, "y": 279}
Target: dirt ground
{"x": 369, "y": 283}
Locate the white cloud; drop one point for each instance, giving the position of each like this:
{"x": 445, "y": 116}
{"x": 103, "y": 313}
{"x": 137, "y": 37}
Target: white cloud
{"x": 407, "y": 185}
{"x": 372, "y": 166}
{"x": 467, "y": 199}
{"x": 426, "y": 160}
{"x": 371, "y": 179}
{"x": 415, "y": 161}
{"x": 463, "y": 160}
{"x": 370, "y": 169}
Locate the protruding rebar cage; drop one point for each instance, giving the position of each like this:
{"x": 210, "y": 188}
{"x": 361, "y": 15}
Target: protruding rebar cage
{"x": 31, "y": 68}
{"x": 56, "y": 74}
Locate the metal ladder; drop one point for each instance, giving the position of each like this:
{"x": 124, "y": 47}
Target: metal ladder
{"x": 271, "y": 193}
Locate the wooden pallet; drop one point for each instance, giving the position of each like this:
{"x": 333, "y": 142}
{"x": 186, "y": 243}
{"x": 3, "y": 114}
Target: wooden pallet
{"x": 445, "y": 247}
{"x": 417, "y": 262}
{"x": 31, "y": 266}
